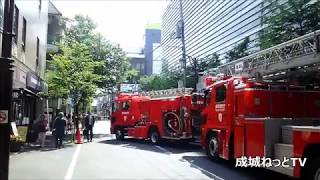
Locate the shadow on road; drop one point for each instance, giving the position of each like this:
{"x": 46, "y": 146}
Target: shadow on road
{"x": 49, "y": 146}
{"x": 221, "y": 168}
{"x": 133, "y": 144}
{"x": 173, "y": 146}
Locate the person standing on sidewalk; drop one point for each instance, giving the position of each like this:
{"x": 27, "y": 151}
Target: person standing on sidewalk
{"x": 59, "y": 126}
{"x": 89, "y": 123}
{"x": 75, "y": 122}
{"x": 43, "y": 128}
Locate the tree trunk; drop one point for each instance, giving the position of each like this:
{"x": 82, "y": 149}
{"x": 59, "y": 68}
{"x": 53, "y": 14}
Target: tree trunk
{"x": 76, "y": 108}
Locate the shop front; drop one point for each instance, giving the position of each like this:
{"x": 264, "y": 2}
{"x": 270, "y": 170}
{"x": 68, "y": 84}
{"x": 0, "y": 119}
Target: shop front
{"x": 27, "y": 106}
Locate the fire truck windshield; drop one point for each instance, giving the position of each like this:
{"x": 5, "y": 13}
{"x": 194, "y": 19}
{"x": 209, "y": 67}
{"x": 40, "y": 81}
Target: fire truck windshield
{"x": 114, "y": 106}
{"x": 221, "y": 93}
{"x": 125, "y": 105}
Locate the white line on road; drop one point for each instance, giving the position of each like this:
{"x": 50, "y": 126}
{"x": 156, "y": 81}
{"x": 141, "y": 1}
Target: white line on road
{"x": 163, "y": 149}
{"x": 195, "y": 166}
{"x": 72, "y": 164}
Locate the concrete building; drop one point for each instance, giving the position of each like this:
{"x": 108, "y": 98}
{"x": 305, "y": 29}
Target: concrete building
{"x": 210, "y": 27}
{"x": 55, "y": 33}
{"x": 152, "y": 41}
{"x": 29, "y": 54}
{"x": 137, "y": 61}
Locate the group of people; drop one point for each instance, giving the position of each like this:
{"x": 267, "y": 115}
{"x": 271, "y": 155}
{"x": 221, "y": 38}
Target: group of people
{"x": 64, "y": 124}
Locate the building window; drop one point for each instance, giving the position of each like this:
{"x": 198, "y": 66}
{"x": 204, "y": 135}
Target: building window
{"x": 37, "y": 53}
{"x": 40, "y": 4}
{"x": 16, "y": 24}
{"x": 142, "y": 68}
{"x": 1, "y": 13}
{"x": 24, "y": 34}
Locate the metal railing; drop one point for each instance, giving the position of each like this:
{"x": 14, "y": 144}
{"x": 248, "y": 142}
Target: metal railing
{"x": 301, "y": 51}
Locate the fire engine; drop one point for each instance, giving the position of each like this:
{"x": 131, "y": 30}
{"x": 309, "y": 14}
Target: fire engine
{"x": 267, "y": 105}
{"x": 155, "y": 115}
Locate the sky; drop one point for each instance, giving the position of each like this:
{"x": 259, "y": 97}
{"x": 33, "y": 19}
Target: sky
{"x": 120, "y": 21}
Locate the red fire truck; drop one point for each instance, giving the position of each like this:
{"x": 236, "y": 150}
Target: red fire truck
{"x": 153, "y": 115}
{"x": 267, "y": 105}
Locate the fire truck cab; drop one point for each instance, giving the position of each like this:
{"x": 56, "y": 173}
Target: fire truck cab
{"x": 153, "y": 116}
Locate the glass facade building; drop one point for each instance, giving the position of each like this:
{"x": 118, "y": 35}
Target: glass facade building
{"x": 211, "y": 26}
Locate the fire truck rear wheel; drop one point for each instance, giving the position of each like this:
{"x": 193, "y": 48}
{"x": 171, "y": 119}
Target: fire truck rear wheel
{"x": 154, "y": 136}
{"x": 212, "y": 147}
{"x": 119, "y": 134}
{"x": 314, "y": 169}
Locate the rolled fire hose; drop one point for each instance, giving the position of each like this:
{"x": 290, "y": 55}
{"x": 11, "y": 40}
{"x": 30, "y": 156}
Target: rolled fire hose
{"x": 180, "y": 123}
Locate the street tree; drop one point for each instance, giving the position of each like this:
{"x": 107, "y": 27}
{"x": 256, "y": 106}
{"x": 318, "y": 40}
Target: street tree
{"x": 72, "y": 74}
{"x": 286, "y": 21}
{"x": 198, "y": 65}
{"x": 159, "y": 82}
{"x": 115, "y": 67}
{"x": 239, "y": 51}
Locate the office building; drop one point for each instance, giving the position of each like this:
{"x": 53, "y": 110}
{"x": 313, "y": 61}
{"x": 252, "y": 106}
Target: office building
{"x": 137, "y": 62}
{"x": 210, "y": 27}
{"x": 152, "y": 42}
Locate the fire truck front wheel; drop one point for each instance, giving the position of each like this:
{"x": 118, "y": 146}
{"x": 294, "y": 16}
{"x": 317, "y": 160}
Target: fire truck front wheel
{"x": 119, "y": 134}
{"x": 314, "y": 169}
{"x": 212, "y": 147}
{"x": 154, "y": 136}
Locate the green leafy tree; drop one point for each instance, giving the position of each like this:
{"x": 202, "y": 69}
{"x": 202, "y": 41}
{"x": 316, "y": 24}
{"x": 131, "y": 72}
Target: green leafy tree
{"x": 72, "y": 74}
{"x": 115, "y": 67}
{"x": 159, "y": 82}
{"x": 289, "y": 20}
{"x": 200, "y": 65}
{"x": 169, "y": 78}
{"x": 239, "y": 51}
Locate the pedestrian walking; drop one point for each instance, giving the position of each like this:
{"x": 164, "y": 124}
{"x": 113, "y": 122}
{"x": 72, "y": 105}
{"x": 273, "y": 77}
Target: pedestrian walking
{"x": 89, "y": 123}
{"x": 59, "y": 127}
{"x": 43, "y": 128}
{"x": 75, "y": 121}
{"x": 69, "y": 121}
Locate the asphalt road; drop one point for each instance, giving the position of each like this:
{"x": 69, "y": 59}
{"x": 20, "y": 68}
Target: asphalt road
{"x": 106, "y": 158}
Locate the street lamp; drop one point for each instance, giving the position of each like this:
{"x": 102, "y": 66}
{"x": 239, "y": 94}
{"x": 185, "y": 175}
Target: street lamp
{"x": 183, "y": 61}
{"x": 6, "y": 77}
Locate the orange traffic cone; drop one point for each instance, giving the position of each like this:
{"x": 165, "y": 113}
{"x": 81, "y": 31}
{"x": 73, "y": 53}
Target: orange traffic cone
{"x": 78, "y": 135}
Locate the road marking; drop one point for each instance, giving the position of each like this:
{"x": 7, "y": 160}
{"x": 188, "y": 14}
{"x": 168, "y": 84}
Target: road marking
{"x": 72, "y": 164}
{"x": 177, "y": 157}
{"x": 163, "y": 149}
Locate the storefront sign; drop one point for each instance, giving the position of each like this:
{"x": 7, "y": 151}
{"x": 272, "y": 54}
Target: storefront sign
{"x": 33, "y": 82}
{"x": 3, "y": 116}
{"x": 129, "y": 87}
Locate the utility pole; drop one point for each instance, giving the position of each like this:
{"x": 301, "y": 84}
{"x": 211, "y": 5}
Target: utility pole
{"x": 6, "y": 77}
{"x": 184, "y": 60}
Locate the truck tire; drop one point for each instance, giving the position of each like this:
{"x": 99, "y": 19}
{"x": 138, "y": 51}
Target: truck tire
{"x": 313, "y": 171}
{"x": 212, "y": 147}
{"x": 119, "y": 134}
{"x": 154, "y": 136}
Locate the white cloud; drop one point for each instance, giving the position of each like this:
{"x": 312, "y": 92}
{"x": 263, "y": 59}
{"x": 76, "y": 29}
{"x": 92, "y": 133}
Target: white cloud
{"x": 120, "y": 21}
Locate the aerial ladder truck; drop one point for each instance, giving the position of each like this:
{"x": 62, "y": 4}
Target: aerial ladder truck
{"x": 267, "y": 105}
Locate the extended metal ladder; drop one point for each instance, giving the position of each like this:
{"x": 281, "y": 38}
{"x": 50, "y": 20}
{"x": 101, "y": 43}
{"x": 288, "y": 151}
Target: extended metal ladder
{"x": 167, "y": 92}
{"x": 302, "y": 52}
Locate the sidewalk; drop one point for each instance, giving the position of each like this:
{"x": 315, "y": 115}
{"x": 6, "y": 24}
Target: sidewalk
{"x": 49, "y": 144}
